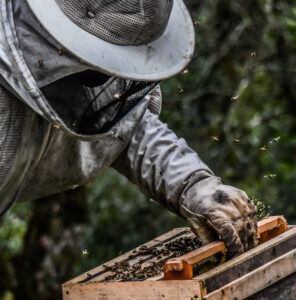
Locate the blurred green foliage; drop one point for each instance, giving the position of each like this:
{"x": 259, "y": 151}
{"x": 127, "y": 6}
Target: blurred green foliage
{"x": 261, "y": 208}
{"x": 240, "y": 89}
{"x": 13, "y": 226}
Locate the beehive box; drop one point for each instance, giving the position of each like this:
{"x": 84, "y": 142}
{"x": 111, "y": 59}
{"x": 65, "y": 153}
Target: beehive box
{"x": 265, "y": 272}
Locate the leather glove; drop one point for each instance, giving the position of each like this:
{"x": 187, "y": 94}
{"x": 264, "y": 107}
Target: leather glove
{"x": 212, "y": 208}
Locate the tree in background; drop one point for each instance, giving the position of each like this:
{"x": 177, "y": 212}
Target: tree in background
{"x": 235, "y": 105}
{"x": 49, "y": 250}
{"x": 238, "y": 106}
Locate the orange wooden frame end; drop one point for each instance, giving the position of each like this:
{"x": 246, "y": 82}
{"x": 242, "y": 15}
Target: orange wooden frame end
{"x": 181, "y": 268}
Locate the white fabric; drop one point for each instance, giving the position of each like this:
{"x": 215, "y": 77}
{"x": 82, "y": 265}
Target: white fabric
{"x": 160, "y": 59}
{"x": 37, "y": 45}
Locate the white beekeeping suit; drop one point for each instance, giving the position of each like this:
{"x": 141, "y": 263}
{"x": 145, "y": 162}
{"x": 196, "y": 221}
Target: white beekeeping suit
{"x": 79, "y": 94}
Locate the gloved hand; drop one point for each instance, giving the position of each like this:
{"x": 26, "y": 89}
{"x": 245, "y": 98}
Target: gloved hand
{"x": 212, "y": 208}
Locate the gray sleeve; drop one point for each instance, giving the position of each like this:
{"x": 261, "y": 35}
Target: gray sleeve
{"x": 159, "y": 162}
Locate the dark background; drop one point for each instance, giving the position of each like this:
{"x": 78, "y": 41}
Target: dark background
{"x": 243, "y": 48}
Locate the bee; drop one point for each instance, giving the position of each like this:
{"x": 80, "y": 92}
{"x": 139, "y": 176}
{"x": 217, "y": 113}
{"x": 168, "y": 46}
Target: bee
{"x": 270, "y": 176}
{"x": 214, "y": 138}
{"x": 180, "y": 90}
{"x": 117, "y": 96}
{"x": 40, "y": 62}
{"x": 185, "y": 72}
{"x": 196, "y": 22}
{"x": 61, "y": 51}
{"x": 74, "y": 187}
{"x": 85, "y": 252}
{"x": 234, "y": 98}
{"x": 106, "y": 268}
{"x": 263, "y": 148}
{"x": 253, "y": 54}
{"x": 57, "y": 126}
{"x": 275, "y": 140}
{"x": 91, "y": 14}
{"x": 236, "y": 140}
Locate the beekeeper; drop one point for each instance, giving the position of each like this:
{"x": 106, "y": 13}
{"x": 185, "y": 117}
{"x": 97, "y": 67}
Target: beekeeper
{"x": 79, "y": 93}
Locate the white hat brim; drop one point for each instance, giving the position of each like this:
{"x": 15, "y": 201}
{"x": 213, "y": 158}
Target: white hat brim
{"x": 160, "y": 59}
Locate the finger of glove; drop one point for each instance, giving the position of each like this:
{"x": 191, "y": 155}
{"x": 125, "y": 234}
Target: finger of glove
{"x": 247, "y": 231}
{"x": 245, "y": 204}
{"x": 198, "y": 225}
{"x": 251, "y": 205}
{"x": 231, "y": 239}
{"x": 251, "y": 225}
{"x": 241, "y": 229}
{"x": 246, "y": 225}
{"x": 205, "y": 233}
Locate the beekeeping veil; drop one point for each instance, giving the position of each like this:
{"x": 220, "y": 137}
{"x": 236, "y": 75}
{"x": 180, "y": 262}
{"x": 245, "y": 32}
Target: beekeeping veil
{"x": 134, "y": 42}
{"x": 146, "y": 40}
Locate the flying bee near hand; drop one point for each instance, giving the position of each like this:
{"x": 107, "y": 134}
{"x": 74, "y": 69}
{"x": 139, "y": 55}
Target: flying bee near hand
{"x": 275, "y": 140}
{"x": 185, "y": 72}
{"x": 61, "y": 51}
{"x": 196, "y": 22}
{"x": 270, "y": 176}
{"x": 180, "y": 90}
{"x": 234, "y": 98}
{"x": 117, "y": 96}
{"x": 85, "y": 252}
{"x": 214, "y": 138}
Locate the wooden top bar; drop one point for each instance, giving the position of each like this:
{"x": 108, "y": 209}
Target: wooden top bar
{"x": 181, "y": 268}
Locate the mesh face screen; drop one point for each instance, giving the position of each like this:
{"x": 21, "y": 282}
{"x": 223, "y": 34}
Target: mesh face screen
{"x": 100, "y": 119}
{"x": 12, "y": 113}
{"x": 122, "y": 22}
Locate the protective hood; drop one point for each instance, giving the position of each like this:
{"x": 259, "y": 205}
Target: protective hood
{"x": 105, "y": 34}
{"x": 17, "y": 77}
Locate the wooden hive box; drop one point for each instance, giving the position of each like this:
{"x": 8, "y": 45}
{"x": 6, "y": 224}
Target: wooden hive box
{"x": 265, "y": 272}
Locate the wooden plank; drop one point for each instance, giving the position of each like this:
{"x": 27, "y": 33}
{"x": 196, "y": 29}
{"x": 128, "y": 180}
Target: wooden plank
{"x": 257, "y": 280}
{"x": 283, "y": 289}
{"x": 247, "y": 255}
{"x": 204, "y": 252}
{"x": 271, "y": 227}
{"x": 181, "y": 268}
{"x": 250, "y": 264}
{"x": 143, "y": 260}
{"x": 90, "y": 275}
{"x": 270, "y": 222}
{"x": 172, "y": 290}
